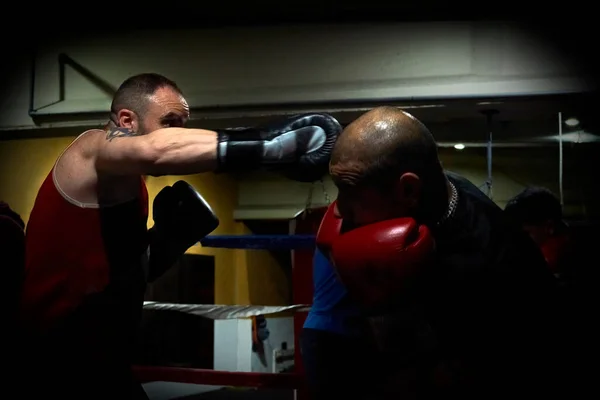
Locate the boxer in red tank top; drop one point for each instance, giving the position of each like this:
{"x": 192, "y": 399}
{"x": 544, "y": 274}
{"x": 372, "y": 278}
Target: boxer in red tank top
{"x": 87, "y": 244}
{"x": 84, "y": 289}
{"x": 77, "y": 253}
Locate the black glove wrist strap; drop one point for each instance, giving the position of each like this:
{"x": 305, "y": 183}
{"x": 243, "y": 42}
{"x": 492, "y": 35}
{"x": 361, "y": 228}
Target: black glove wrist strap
{"x": 241, "y": 155}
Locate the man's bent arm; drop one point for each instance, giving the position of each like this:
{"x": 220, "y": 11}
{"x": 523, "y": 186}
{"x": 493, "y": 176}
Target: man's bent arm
{"x": 168, "y": 151}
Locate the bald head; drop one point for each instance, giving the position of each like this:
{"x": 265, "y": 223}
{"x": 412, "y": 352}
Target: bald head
{"x": 380, "y": 145}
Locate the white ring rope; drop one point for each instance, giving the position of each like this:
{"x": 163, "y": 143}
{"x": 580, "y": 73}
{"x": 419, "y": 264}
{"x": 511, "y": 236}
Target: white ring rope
{"x": 216, "y": 311}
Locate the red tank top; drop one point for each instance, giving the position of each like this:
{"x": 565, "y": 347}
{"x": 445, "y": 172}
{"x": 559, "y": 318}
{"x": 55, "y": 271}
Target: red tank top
{"x": 84, "y": 267}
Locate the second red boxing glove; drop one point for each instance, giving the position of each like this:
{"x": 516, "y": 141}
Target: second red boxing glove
{"x": 554, "y": 250}
{"x": 378, "y": 263}
{"x": 329, "y": 230}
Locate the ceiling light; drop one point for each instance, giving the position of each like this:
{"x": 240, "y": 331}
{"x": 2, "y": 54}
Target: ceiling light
{"x": 487, "y": 103}
{"x": 459, "y": 146}
{"x": 572, "y": 122}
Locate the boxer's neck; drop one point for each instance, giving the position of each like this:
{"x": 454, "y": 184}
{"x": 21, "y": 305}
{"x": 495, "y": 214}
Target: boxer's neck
{"x": 451, "y": 202}
{"x": 435, "y": 201}
{"x": 109, "y": 125}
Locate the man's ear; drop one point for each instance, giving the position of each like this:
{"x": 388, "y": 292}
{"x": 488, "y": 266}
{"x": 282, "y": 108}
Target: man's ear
{"x": 409, "y": 189}
{"x": 128, "y": 119}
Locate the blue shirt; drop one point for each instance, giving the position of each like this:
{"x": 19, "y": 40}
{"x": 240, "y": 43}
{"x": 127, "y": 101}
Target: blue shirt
{"x": 331, "y": 308}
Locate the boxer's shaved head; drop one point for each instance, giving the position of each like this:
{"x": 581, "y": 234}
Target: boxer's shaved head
{"x": 134, "y": 94}
{"x": 381, "y": 144}
{"x": 385, "y": 165}
{"x": 147, "y": 102}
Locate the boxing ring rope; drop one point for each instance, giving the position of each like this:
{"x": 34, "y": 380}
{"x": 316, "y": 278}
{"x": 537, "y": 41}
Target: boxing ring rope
{"x": 302, "y": 244}
{"x": 219, "y": 378}
{"x": 147, "y": 374}
{"x": 214, "y": 311}
{"x": 560, "y": 159}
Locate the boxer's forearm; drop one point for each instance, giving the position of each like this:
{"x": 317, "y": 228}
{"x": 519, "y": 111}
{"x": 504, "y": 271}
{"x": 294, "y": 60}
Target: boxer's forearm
{"x": 180, "y": 151}
{"x": 168, "y": 151}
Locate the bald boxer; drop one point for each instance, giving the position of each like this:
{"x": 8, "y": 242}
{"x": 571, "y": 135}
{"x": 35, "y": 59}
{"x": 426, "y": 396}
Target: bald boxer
{"x": 459, "y": 298}
{"x": 88, "y": 252}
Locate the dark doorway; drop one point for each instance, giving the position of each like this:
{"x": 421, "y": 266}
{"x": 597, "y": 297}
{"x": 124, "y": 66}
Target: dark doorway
{"x": 171, "y": 338}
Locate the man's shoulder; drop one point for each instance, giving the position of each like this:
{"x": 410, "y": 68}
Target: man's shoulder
{"x": 493, "y": 239}
{"x": 79, "y": 153}
{"x": 467, "y": 187}
{"x": 80, "y": 147}
{"x": 85, "y": 142}
{"x": 75, "y": 174}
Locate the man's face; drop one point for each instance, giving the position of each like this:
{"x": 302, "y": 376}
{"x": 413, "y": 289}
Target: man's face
{"x": 364, "y": 206}
{"x": 166, "y": 109}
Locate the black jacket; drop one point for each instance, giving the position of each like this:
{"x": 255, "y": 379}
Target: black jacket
{"x": 485, "y": 322}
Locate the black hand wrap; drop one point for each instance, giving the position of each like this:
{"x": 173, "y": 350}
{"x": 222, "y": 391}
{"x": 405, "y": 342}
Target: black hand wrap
{"x": 299, "y": 147}
{"x": 181, "y": 219}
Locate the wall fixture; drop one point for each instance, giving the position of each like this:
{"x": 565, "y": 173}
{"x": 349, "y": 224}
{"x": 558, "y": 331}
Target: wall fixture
{"x": 459, "y": 146}
{"x": 572, "y": 122}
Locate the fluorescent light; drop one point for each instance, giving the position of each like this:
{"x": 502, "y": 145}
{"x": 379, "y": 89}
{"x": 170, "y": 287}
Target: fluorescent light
{"x": 459, "y": 146}
{"x": 578, "y": 136}
{"x": 572, "y": 122}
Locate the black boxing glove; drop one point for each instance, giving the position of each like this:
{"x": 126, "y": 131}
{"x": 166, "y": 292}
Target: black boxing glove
{"x": 299, "y": 147}
{"x": 181, "y": 219}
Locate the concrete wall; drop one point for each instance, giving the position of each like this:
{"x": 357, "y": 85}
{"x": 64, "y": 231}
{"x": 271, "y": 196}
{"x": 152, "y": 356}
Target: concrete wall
{"x": 291, "y": 64}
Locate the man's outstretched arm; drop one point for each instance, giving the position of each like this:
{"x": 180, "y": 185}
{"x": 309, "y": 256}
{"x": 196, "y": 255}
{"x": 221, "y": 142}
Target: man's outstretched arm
{"x": 300, "y": 145}
{"x": 168, "y": 151}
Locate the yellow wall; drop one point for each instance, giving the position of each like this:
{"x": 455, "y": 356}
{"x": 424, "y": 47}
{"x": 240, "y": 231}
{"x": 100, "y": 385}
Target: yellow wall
{"x": 267, "y": 282}
{"x": 24, "y": 164}
{"x": 241, "y": 277}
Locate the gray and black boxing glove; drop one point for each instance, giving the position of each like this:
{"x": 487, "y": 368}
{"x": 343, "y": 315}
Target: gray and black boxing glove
{"x": 299, "y": 147}
{"x": 181, "y": 219}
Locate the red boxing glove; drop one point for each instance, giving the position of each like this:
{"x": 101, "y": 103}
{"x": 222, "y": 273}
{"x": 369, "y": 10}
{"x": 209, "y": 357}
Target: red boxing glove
{"x": 378, "y": 263}
{"x": 329, "y": 230}
{"x": 554, "y": 251}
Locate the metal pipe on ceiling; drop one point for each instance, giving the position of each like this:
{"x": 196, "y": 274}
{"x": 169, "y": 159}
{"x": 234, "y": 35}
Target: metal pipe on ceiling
{"x": 469, "y": 145}
{"x": 560, "y": 159}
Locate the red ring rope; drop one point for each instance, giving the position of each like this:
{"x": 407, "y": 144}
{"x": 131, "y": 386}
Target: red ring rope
{"x": 219, "y": 378}
{"x": 302, "y": 289}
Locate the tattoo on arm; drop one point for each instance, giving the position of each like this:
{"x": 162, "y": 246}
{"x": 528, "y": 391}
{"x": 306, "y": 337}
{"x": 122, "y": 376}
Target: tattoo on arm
{"x": 117, "y": 132}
